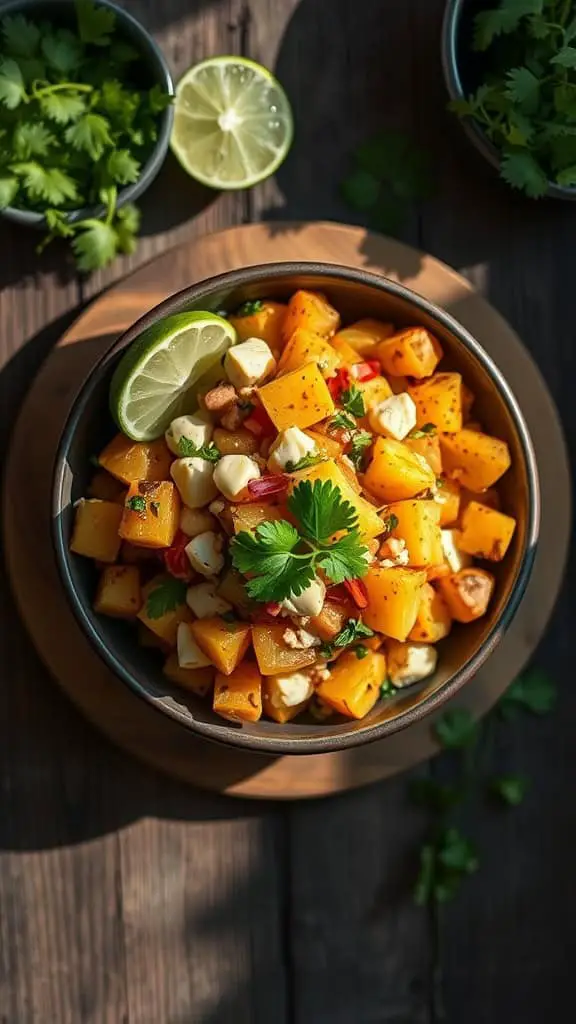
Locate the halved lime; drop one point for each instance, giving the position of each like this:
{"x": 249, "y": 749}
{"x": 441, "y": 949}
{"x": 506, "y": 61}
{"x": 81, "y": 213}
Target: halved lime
{"x": 158, "y": 376}
{"x": 233, "y": 123}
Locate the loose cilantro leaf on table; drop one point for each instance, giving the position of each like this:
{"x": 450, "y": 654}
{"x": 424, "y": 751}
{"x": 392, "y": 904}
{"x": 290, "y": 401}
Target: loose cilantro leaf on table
{"x": 168, "y": 595}
{"x": 188, "y": 450}
{"x": 74, "y": 128}
{"x": 456, "y": 728}
{"x": 526, "y": 104}
{"x": 511, "y": 789}
{"x": 282, "y": 560}
{"x": 534, "y": 691}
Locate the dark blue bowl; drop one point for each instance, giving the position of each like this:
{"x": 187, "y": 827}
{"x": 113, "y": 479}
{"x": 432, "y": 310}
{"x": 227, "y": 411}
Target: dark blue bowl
{"x": 154, "y": 70}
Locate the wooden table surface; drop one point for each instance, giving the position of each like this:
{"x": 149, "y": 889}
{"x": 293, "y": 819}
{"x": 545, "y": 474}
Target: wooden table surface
{"x": 128, "y": 899}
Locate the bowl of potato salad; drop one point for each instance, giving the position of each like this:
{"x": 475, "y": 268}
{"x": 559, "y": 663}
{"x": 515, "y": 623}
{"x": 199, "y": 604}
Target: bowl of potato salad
{"x": 295, "y": 507}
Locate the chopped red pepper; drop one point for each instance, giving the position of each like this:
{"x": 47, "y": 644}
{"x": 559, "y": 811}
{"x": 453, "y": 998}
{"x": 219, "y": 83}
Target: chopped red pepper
{"x": 366, "y": 371}
{"x": 176, "y": 560}
{"x": 358, "y": 592}
{"x": 339, "y": 383}
{"x": 259, "y": 423}
{"x": 266, "y": 486}
{"x": 273, "y": 608}
{"x": 337, "y": 595}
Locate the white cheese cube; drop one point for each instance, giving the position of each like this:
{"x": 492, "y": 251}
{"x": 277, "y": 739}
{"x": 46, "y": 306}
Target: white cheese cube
{"x": 288, "y": 691}
{"x": 195, "y": 520}
{"x": 189, "y": 654}
{"x": 290, "y": 446}
{"x": 205, "y": 553}
{"x": 233, "y": 473}
{"x": 309, "y": 602}
{"x": 196, "y": 429}
{"x": 409, "y": 663}
{"x": 249, "y": 363}
{"x": 455, "y": 558}
{"x": 394, "y": 417}
{"x": 203, "y": 600}
{"x": 194, "y": 479}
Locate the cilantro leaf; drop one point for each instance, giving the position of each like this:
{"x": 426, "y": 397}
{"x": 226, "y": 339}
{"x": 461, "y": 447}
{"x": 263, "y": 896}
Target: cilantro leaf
{"x": 63, "y": 50}
{"x": 136, "y": 503}
{"x": 534, "y": 691}
{"x": 8, "y": 190}
{"x": 390, "y": 522}
{"x": 387, "y": 689}
{"x": 522, "y": 87}
{"x": 361, "y": 652}
{"x": 188, "y": 450}
{"x": 567, "y": 177}
{"x": 424, "y": 888}
{"x": 353, "y": 630}
{"x": 127, "y": 224}
{"x": 523, "y": 172}
{"x": 361, "y": 440}
{"x": 456, "y": 729}
{"x": 12, "y": 90}
{"x": 31, "y": 139}
{"x": 158, "y": 99}
{"x": 342, "y": 421}
{"x": 249, "y": 308}
{"x": 268, "y": 554}
{"x": 345, "y": 559}
{"x": 320, "y": 510}
{"x": 361, "y": 189}
{"x": 168, "y": 595}
{"x": 424, "y": 431}
{"x": 58, "y": 225}
{"x": 310, "y": 459}
{"x": 47, "y": 183}
{"x": 61, "y": 107}
{"x": 353, "y": 401}
{"x": 457, "y": 852}
{"x": 503, "y": 20}
{"x": 123, "y": 167}
{"x": 89, "y": 133}
{"x": 95, "y": 245}
{"x": 511, "y": 789}
{"x": 21, "y": 36}
{"x": 95, "y": 23}
{"x": 566, "y": 57}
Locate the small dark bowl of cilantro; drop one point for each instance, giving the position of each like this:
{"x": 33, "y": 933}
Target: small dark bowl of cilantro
{"x": 510, "y": 70}
{"x": 85, "y": 121}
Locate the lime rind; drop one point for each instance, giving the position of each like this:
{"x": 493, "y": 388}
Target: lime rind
{"x": 159, "y": 375}
{"x": 233, "y": 123}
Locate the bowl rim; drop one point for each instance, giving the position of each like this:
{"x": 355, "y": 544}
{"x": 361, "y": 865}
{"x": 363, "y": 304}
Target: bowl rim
{"x": 324, "y": 743}
{"x": 155, "y": 59}
{"x": 450, "y": 65}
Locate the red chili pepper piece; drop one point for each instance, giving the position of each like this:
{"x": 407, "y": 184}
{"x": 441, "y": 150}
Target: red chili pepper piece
{"x": 266, "y": 486}
{"x": 337, "y": 595}
{"x": 273, "y": 608}
{"x": 259, "y": 423}
{"x": 358, "y": 592}
{"x": 365, "y": 371}
{"x": 176, "y": 560}
{"x": 339, "y": 383}
{"x": 374, "y": 364}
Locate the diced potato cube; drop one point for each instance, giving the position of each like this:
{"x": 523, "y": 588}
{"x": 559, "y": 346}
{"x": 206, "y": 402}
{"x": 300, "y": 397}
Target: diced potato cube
{"x": 265, "y": 322}
{"x": 438, "y": 400}
{"x": 273, "y": 653}
{"x": 238, "y": 696}
{"x": 236, "y": 442}
{"x": 486, "y": 533}
{"x": 196, "y": 680}
{"x": 467, "y": 593}
{"x": 95, "y": 534}
{"x": 304, "y": 347}
{"x": 419, "y": 526}
{"x": 312, "y": 312}
{"x": 232, "y": 588}
{"x": 394, "y": 597}
{"x": 396, "y": 473}
{"x": 434, "y": 620}
{"x": 118, "y": 592}
{"x": 151, "y": 514}
{"x": 345, "y": 352}
{"x": 454, "y": 557}
{"x": 474, "y": 459}
{"x": 299, "y": 398}
{"x": 448, "y": 494}
{"x": 136, "y": 460}
{"x": 224, "y": 643}
{"x": 353, "y": 686}
{"x": 428, "y": 446}
{"x": 414, "y": 352}
{"x": 364, "y": 335}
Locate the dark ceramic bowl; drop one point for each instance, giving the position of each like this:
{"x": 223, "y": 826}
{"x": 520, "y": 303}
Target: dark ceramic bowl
{"x": 463, "y": 69}
{"x": 355, "y": 294}
{"x": 152, "y": 69}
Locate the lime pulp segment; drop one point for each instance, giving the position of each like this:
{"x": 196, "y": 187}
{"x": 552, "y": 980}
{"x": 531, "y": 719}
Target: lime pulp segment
{"x": 157, "y": 378}
{"x": 233, "y": 123}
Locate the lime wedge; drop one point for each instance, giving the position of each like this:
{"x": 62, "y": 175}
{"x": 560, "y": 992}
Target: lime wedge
{"x": 232, "y": 124}
{"x": 158, "y": 376}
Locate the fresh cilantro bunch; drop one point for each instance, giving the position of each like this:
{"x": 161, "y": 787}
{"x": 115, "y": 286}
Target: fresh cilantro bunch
{"x": 526, "y": 104}
{"x": 282, "y": 561}
{"x": 73, "y": 128}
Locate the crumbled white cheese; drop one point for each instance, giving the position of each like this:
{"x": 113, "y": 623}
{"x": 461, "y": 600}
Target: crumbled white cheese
{"x": 395, "y": 552}
{"x": 394, "y": 417}
{"x": 412, "y": 662}
{"x": 194, "y": 521}
{"x": 205, "y": 553}
{"x": 203, "y": 600}
{"x": 290, "y": 446}
{"x": 249, "y": 363}
{"x": 309, "y": 602}
{"x": 233, "y": 473}
{"x": 194, "y": 479}
{"x": 455, "y": 558}
{"x": 196, "y": 429}
{"x": 189, "y": 654}
{"x": 300, "y": 639}
{"x": 291, "y": 690}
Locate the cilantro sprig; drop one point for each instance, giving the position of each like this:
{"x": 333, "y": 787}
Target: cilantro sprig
{"x": 282, "y": 561}
{"x": 310, "y": 459}
{"x": 188, "y": 450}
{"x": 250, "y": 307}
{"x": 352, "y": 400}
{"x": 526, "y": 103}
{"x": 352, "y": 631}
{"x": 168, "y": 595}
{"x": 73, "y": 129}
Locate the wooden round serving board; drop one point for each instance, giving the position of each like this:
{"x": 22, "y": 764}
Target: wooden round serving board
{"x": 127, "y": 720}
